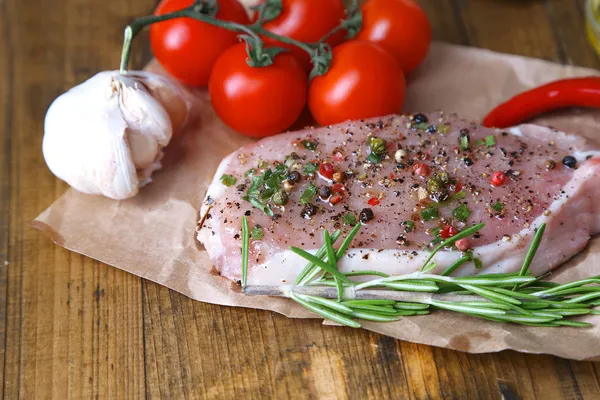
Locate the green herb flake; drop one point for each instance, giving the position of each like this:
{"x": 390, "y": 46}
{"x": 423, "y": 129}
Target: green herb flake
{"x": 461, "y": 213}
{"x": 349, "y": 219}
{"x": 228, "y": 180}
{"x": 409, "y": 226}
{"x": 310, "y": 169}
{"x": 262, "y": 164}
{"x": 310, "y": 144}
{"x": 257, "y": 232}
{"x": 373, "y": 158}
{"x": 479, "y": 143}
{"x": 477, "y": 262}
{"x": 309, "y": 194}
{"x": 443, "y": 128}
{"x": 464, "y": 142}
{"x": 497, "y": 206}
{"x": 250, "y": 172}
{"x": 421, "y": 126}
{"x": 436, "y": 231}
{"x": 490, "y": 141}
{"x": 429, "y": 214}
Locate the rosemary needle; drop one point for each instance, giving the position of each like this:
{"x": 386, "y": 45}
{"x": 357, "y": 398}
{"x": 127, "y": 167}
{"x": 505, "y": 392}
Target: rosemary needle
{"x": 245, "y": 246}
{"x": 332, "y": 259}
{"x": 320, "y": 263}
{"x": 535, "y": 244}
{"x": 326, "y": 312}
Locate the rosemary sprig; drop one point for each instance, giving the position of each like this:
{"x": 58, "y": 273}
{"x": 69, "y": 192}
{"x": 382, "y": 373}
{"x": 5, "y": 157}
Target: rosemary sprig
{"x": 500, "y": 297}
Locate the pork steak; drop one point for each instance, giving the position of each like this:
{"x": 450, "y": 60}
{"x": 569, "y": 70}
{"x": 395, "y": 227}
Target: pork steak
{"x": 412, "y": 181}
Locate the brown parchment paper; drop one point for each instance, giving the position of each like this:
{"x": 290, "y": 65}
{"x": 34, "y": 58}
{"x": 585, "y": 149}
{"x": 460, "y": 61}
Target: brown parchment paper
{"x": 152, "y": 235}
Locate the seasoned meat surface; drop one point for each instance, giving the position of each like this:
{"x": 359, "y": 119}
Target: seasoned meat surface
{"x": 412, "y": 181}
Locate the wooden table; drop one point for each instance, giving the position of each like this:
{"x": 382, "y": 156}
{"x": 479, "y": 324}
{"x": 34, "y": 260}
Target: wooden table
{"x": 70, "y": 326}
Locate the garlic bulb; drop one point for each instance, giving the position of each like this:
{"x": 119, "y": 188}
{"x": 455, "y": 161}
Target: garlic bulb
{"x": 106, "y": 135}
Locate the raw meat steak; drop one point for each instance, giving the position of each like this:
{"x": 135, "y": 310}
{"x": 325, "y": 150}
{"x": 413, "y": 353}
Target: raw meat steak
{"x": 412, "y": 180}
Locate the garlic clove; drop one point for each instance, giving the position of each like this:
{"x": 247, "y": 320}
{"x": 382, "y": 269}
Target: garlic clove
{"x": 174, "y": 99}
{"x": 106, "y": 135}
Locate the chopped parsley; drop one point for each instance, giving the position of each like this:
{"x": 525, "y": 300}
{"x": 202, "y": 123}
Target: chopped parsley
{"x": 461, "y": 213}
{"x": 250, "y": 172}
{"x": 497, "y": 206}
{"x": 264, "y": 187}
{"x": 490, "y": 141}
{"x": 349, "y": 219}
{"x": 309, "y": 194}
{"x": 429, "y": 214}
{"x": 464, "y": 142}
{"x": 310, "y": 169}
{"x": 421, "y": 126}
{"x": 257, "y": 232}
{"x": 479, "y": 143}
{"x": 408, "y": 226}
{"x": 310, "y": 144}
{"x": 228, "y": 180}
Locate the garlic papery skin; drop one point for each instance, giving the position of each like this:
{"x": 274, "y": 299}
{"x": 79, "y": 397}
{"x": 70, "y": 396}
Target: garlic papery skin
{"x": 106, "y": 136}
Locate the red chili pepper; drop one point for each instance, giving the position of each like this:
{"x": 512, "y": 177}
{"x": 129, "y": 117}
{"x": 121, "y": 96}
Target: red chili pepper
{"x": 373, "y": 201}
{"x": 459, "y": 187}
{"x": 327, "y": 170}
{"x": 574, "y": 92}
{"x": 335, "y": 199}
{"x": 498, "y": 178}
{"x": 421, "y": 169}
{"x": 391, "y": 175}
{"x": 448, "y": 232}
{"x": 338, "y": 156}
{"x": 463, "y": 244}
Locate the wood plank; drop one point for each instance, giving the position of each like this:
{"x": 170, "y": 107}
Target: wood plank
{"x": 74, "y": 327}
{"x": 6, "y": 93}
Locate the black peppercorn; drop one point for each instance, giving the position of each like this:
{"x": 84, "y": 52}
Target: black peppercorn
{"x": 294, "y": 177}
{"x": 419, "y": 118}
{"x": 308, "y": 211}
{"x": 570, "y": 162}
{"x": 468, "y": 162}
{"x": 324, "y": 192}
{"x": 366, "y": 215}
{"x": 431, "y": 129}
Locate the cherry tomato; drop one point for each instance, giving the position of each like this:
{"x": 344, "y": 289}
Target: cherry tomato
{"x": 307, "y": 21}
{"x": 363, "y": 81}
{"x": 258, "y": 101}
{"x": 188, "y": 48}
{"x": 400, "y": 26}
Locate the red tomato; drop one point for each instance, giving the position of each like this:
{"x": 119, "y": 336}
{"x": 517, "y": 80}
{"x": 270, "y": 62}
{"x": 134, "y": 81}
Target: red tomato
{"x": 363, "y": 81}
{"x": 259, "y": 101}
{"x": 188, "y": 48}
{"x": 307, "y": 21}
{"x": 400, "y": 26}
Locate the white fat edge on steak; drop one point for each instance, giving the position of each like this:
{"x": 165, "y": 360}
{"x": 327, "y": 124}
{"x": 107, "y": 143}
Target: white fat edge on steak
{"x": 501, "y": 256}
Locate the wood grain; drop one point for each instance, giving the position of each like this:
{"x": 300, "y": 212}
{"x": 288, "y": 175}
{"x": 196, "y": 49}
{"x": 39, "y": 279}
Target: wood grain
{"x": 74, "y": 328}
